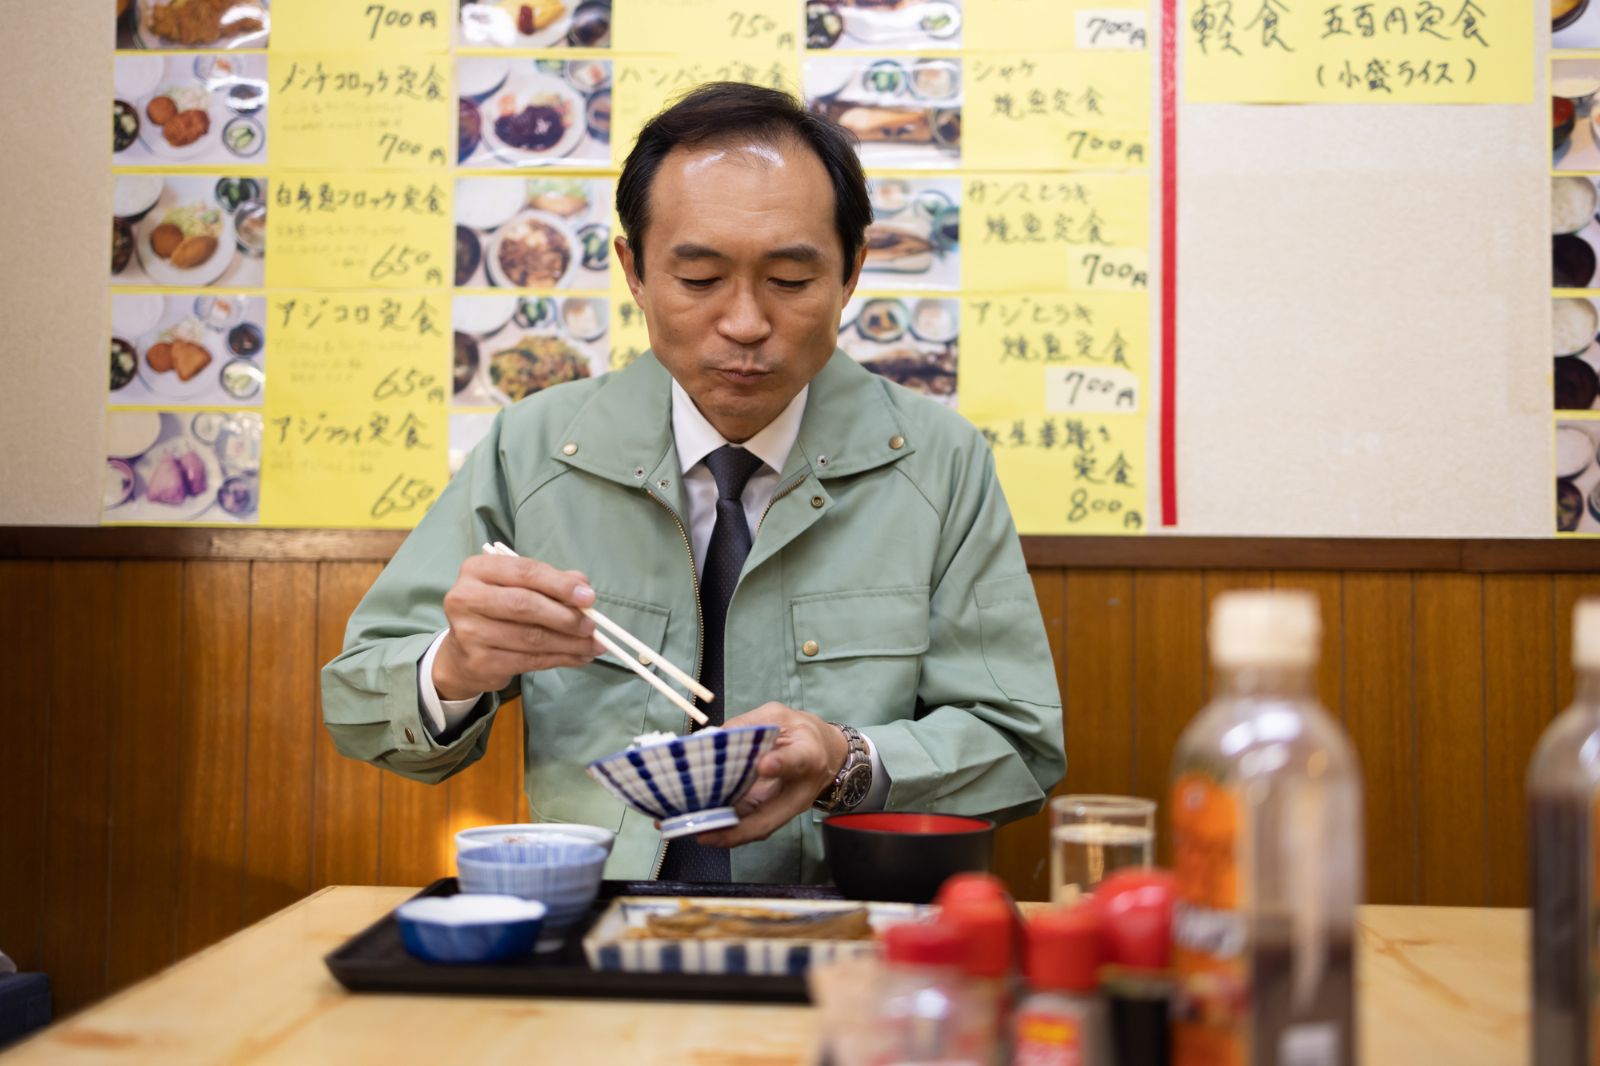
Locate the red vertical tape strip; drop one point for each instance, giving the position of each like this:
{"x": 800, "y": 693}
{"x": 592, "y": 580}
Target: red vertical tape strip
{"x": 1169, "y": 262}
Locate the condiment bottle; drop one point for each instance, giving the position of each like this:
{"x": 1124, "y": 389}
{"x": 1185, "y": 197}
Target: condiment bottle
{"x": 1135, "y": 908}
{"x": 927, "y": 1014}
{"x": 1564, "y": 810}
{"x": 1062, "y": 1022}
{"x": 1267, "y": 849}
{"x": 990, "y": 962}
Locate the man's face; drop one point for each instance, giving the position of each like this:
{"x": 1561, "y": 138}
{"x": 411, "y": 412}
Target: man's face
{"x": 742, "y": 285}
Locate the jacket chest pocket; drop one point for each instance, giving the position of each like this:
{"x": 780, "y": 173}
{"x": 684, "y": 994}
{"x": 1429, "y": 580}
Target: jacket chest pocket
{"x": 858, "y": 654}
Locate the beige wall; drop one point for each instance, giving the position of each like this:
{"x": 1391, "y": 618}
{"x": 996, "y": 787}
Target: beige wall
{"x": 1362, "y": 306}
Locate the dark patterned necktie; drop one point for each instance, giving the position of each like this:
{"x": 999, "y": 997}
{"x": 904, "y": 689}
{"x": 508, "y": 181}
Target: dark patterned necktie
{"x": 725, "y": 555}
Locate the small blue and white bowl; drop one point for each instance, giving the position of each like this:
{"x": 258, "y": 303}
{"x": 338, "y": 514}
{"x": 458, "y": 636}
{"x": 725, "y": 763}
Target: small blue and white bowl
{"x": 529, "y": 832}
{"x": 467, "y": 928}
{"x": 564, "y": 875}
{"x": 688, "y": 783}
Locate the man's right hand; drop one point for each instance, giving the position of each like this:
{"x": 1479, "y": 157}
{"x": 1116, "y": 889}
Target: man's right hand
{"x": 508, "y": 617}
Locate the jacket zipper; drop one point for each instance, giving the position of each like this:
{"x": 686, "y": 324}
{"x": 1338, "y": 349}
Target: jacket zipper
{"x": 783, "y": 490}
{"x": 700, "y": 636}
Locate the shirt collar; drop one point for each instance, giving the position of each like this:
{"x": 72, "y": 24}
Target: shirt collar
{"x": 697, "y": 438}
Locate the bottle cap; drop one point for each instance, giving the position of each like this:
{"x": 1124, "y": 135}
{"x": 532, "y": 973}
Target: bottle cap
{"x": 924, "y": 944}
{"x": 972, "y": 886}
{"x": 1277, "y": 628}
{"x": 1064, "y": 950}
{"x": 986, "y": 927}
{"x": 1586, "y": 634}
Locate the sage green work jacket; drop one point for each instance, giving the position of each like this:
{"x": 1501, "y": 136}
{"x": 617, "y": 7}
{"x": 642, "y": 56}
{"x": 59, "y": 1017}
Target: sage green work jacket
{"x": 885, "y": 588}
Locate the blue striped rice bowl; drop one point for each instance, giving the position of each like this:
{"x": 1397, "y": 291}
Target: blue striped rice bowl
{"x": 564, "y": 875}
{"x": 688, "y": 783}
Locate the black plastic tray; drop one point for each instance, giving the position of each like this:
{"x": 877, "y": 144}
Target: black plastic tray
{"x": 375, "y": 960}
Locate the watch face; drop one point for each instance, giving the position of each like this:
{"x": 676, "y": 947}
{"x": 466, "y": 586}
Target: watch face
{"x": 854, "y": 788}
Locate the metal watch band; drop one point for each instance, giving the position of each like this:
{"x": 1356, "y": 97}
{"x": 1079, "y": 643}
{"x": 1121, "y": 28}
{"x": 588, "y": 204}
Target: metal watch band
{"x": 857, "y": 755}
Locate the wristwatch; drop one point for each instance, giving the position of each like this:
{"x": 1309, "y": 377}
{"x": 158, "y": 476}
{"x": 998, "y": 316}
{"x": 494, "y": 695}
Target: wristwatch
{"x": 854, "y": 779}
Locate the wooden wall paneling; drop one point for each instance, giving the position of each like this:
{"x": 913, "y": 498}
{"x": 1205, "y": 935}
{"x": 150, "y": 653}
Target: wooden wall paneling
{"x": 1519, "y": 699}
{"x": 1328, "y": 587}
{"x": 1216, "y": 583}
{"x": 1380, "y": 718}
{"x": 81, "y": 617}
{"x": 414, "y": 840}
{"x": 1569, "y": 589}
{"x": 25, "y": 662}
{"x": 1020, "y": 848}
{"x": 1169, "y": 677}
{"x": 1450, "y": 752}
{"x": 212, "y": 751}
{"x": 1097, "y": 691}
{"x": 347, "y": 819}
{"x": 146, "y": 724}
{"x": 282, "y": 734}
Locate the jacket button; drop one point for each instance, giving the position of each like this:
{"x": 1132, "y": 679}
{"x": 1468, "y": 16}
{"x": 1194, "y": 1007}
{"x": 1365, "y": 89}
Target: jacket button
{"x": 410, "y": 737}
{"x": 809, "y": 648}
{"x": 817, "y": 501}
{"x": 897, "y": 442}
{"x": 569, "y": 449}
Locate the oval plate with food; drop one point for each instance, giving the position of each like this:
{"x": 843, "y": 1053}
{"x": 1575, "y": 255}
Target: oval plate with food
{"x": 177, "y": 266}
{"x": 535, "y": 250}
{"x": 181, "y": 361}
{"x": 181, "y": 122}
{"x": 534, "y": 118}
{"x": 184, "y": 499}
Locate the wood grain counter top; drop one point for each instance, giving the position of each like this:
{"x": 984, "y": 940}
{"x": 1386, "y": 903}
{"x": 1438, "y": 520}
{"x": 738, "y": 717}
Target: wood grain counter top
{"x": 1445, "y": 985}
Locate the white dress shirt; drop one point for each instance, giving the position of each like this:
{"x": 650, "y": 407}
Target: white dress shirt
{"x": 694, "y": 438}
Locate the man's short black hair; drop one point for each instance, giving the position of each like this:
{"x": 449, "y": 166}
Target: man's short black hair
{"x": 721, "y": 111}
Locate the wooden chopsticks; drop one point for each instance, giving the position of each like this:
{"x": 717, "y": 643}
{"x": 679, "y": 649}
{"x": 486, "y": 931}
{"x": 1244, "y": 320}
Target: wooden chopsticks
{"x": 641, "y": 662}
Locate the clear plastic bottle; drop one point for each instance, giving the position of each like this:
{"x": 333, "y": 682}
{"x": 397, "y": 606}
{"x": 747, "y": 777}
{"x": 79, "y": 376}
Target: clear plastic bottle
{"x": 928, "y": 1014}
{"x": 1563, "y": 811}
{"x": 1267, "y": 848}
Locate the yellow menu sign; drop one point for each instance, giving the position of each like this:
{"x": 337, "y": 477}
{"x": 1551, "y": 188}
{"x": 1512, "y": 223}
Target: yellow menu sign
{"x": 1033, "y": 111}
{"x": 721, "y": 27}
{"x": 1057, "y": 385}
{"x": 1411, "y": 51}
{"x": 393, "y": 26}
{"x": 355, "y": 428}
{"x": 351, "y": 230}
{"x": 1031, "y": 231}
{"x": 361, "y": 112}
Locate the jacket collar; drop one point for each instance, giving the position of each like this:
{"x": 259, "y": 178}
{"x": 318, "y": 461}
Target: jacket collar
{"x": 624, "y": 432}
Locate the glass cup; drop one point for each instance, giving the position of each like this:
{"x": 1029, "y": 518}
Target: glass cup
{"x": 1092, "y": 836}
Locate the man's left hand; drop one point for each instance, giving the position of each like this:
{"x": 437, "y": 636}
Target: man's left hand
{"x": 789, "y": 778}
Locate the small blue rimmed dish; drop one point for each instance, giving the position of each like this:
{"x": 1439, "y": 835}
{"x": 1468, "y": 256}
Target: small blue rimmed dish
{"x": 563, "y": 874}
{"x": 469, "y": 928}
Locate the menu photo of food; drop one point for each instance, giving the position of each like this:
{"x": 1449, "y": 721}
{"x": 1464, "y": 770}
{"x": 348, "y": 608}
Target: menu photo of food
{"x": 1573, "y": 85}
{"x": 1575, "y": 233}
{"x": 533, "y": 233}
{"x": 914, "y": 241}
{"x": 536, "y": 23}
{"x": 911, "y": 342}
{"x": 182, "y": 466}
{"x": 1578, "y": 477}
{"x": 509, "y": 347}
{"x": 195, "y": 350}
{"x": 533, "y": 112}
{"x": 883, "y": 23}
{"x": 191, "y": 24}
{"x": 189, "y": 109}
{"x": 467, "y": 428}
{"x": 188, "y": 231}
{"x": 906, "y": 110}
{"x": 1575, "y": 324}
{"x": 1574, "y": 24}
